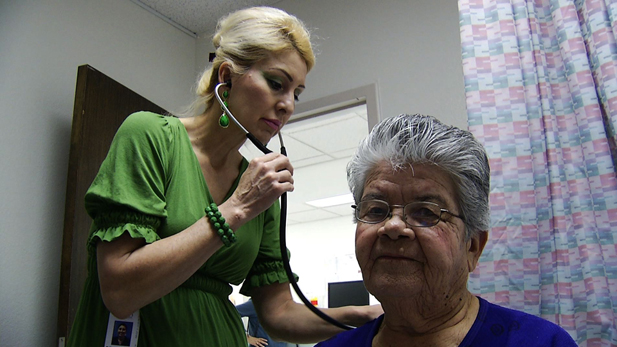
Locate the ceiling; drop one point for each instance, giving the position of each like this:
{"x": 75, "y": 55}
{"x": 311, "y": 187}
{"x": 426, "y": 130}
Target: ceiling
{"x": 319, "y": 147}
{"x": 197, "y": 17}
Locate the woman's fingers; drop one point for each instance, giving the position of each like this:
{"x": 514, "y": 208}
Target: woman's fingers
{"x": 275, "y": 161}
{"x": 264, "y": 181}
{"x": 271, "y": 169}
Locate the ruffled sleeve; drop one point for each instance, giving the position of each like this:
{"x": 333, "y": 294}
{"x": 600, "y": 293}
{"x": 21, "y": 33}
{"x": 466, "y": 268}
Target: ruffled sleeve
{"x": 128, "y": 193}
{"x": 268, "y": 267}
{"x": 111, "y": 225}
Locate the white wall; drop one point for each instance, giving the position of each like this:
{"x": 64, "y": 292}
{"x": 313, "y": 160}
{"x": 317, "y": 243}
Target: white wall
{"x": 42, "y": 43}
{"x": 410, "y": 49}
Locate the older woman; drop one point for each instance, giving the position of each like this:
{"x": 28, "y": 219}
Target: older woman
{"x": 421, "y": 190}
{"x": 179, "y": 214}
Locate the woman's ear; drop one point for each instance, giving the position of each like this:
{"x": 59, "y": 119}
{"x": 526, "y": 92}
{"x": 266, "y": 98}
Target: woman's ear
{"x": 475, "y": 246}
{"x": 224, "y": 73}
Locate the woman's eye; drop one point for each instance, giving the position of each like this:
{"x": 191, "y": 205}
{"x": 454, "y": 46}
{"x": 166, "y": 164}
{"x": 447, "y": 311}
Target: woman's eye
{"x": 275, "y": 85}
{"x": 376, "y": 211}
{"x": 296, "y": 97}
{"x": 423, "y": 213}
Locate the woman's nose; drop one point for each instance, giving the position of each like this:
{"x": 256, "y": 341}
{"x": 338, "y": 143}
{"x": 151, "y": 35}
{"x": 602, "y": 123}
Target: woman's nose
{"x": 287, "y": 104}
{"x": 395, "y": 226}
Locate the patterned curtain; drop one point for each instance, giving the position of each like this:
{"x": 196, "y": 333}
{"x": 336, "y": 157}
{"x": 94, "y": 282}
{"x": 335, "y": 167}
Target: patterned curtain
{"x": 541, "y": 89}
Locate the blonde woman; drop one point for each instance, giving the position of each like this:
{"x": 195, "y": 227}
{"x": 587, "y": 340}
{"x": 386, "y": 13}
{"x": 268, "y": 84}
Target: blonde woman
{"x": 179, "y": 214}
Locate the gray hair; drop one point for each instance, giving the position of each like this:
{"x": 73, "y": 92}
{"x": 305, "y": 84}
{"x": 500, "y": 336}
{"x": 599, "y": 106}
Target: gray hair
{"x": 408, "y": 139}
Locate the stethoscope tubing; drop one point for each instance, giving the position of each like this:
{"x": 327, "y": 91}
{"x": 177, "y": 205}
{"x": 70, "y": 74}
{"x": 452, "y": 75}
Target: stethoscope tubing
{"x": 282, "y": 224}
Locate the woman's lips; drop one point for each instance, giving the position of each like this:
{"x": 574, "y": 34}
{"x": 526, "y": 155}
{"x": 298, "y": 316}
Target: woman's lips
{"x": 394, "y": 255}
{"x": 273, "y": 123}
{"x": 391, "y": 257}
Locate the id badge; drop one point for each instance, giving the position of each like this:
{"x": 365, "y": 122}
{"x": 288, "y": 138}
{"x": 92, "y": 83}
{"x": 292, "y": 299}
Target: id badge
{"x": 122, "y": 332}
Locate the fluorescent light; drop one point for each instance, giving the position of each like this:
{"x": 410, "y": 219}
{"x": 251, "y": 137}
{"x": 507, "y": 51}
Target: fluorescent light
{"x": 332, "y": 201}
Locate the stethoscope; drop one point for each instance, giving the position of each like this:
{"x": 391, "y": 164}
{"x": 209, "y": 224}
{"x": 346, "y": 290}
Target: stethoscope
{"x": 283, "y": 243}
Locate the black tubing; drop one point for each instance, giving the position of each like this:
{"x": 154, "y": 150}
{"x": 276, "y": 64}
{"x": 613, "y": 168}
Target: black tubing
{"x": 287, "y": 266}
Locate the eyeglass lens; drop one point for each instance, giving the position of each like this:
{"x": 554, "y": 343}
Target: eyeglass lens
{"x": 422, "y": 214}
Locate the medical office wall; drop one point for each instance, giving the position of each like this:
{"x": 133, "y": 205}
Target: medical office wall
{"x": 42, "y": 43}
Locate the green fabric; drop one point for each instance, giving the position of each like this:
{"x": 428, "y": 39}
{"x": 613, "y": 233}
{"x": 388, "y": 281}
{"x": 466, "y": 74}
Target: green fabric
{"x": 151, "y": 186}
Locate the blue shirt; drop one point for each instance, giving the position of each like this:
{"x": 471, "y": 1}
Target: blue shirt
{"x": 494, "y": 326}
{"x": 255, "y": 329}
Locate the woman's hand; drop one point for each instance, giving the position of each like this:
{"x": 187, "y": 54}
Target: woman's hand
{"x": 263, "y": 182}
{"x": 256, "y": 341}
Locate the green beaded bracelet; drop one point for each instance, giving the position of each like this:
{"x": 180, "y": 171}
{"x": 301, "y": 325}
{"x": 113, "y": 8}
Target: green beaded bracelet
{"x": 220, "y": 226}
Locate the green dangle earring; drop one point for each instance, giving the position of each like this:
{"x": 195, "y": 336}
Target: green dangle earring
{"x": 224, "y": 119}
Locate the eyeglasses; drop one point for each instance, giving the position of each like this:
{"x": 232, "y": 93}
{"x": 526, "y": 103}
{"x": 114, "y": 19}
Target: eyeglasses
{"x": 417, "y": 214}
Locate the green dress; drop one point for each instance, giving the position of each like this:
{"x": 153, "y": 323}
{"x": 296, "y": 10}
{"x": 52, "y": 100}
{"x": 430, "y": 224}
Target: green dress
{"x": 151, "y": 186}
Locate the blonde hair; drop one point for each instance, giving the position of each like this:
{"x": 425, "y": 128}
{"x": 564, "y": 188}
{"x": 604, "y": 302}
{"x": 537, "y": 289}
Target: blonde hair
{"x": 247, "y": 36}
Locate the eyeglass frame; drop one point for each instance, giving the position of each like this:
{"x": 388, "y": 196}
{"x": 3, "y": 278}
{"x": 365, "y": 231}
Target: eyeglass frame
{"x": 389, "y": 214}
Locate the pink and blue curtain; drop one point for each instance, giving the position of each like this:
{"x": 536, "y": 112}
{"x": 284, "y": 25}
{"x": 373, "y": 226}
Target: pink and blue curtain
{"x": 541, "y": 90}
